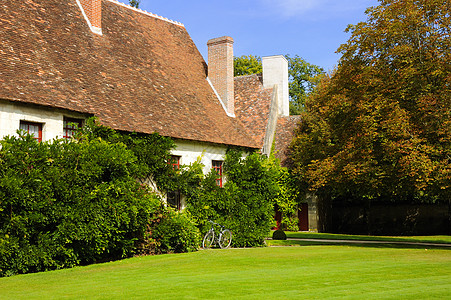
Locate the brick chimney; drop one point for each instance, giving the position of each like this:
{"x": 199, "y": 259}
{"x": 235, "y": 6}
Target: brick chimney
{"x": 220, "y": 70}
{"x": 92, "y": 11}
{"x": 275, "y": 72}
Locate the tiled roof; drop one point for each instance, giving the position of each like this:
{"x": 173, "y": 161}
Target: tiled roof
{"x": 142, "y": 74}
{"x": 252, "y": 105}
{"x": 284, "y": 135}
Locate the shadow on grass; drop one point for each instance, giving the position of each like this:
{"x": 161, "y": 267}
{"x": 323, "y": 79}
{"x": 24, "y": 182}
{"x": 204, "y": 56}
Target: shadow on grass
{"x": 288, "y": 243}
{"x": 410, "y": 239}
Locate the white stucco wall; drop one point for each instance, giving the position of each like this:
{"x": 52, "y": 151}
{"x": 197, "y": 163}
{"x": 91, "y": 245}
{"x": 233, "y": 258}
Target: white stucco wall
{"x": 51, "y": 119}
{"x": 190, "y": 151}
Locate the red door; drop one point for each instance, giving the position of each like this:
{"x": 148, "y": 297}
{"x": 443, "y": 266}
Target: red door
{"x": 277, "y": 217}
{"x": 303, "y": 217}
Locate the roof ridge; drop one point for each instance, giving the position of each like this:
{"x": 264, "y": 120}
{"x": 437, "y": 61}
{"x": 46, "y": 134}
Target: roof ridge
{"x": 147, "y": 13}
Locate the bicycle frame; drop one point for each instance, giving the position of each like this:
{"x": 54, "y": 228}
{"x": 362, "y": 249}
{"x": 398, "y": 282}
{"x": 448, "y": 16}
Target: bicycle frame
{"x": 223, "y": 239}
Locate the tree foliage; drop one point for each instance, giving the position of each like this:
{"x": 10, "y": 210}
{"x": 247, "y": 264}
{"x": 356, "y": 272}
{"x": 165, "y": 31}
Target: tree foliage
{"x": 135, "y": 3}
{"x": 302, "y": 77}
{"x": 302, "y": 80}
{"x": 380, "y": 126}
{"x": 247, "y": 65}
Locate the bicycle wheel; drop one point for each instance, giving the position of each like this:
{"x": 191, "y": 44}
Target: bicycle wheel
{"x": 225, "y": 239}
{"x": 209, "y": 239}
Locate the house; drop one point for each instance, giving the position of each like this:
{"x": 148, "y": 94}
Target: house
{"x": 64, "y": 61}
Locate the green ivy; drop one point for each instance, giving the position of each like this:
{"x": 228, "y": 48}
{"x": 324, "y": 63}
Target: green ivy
{"x": 246, "y": 202}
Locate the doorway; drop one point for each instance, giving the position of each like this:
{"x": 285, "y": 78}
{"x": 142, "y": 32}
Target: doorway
{"x": 303, "y": 217}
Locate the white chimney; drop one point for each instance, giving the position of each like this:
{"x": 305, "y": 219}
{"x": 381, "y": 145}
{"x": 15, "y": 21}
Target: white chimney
{"x": 275, "y": 72}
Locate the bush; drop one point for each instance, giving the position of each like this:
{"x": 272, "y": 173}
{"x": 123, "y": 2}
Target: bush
{"x": 279, "y": 235}
{"x": 65, "y": 203}
{"x": 175, "y": 232}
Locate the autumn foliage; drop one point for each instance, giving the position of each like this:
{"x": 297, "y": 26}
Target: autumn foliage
{"x": 379, "y": 127}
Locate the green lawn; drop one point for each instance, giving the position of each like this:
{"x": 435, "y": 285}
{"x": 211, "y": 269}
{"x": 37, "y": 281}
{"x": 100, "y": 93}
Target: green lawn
{"x": 306, "y": 272}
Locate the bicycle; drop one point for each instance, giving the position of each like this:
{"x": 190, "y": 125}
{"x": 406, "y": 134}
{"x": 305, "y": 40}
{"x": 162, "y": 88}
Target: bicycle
{"x": 224, "y": 240}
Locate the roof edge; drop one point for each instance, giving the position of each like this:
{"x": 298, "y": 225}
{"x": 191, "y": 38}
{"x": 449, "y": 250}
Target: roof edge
{"x": 146, "y": 12}
{"x": 232, "y": 115}
{"x": 255, "y": 147}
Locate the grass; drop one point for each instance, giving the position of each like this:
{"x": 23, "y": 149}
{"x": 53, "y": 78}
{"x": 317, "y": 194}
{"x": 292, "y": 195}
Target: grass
{"x": 309, "y": 272}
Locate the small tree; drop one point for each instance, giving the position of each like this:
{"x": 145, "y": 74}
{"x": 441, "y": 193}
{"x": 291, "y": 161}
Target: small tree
{"x": 247, "y": 65}
{"x": 246, "y": 202}
{"x": 135, "y": 3}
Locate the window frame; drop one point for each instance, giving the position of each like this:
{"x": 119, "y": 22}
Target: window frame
{"x": 174, "y": 161}
{"x": 217, "y": 166}
{"x": 174, "y": 199}
{"x": 28, "y": 124}
{"x": 70, "y": 128}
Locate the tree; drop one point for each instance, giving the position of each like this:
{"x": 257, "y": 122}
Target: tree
{"x": 135, "y": 3}
{"x": 380, "y": 126}
{"x": 247, "y": 65}
{"x": 303, "y": 77}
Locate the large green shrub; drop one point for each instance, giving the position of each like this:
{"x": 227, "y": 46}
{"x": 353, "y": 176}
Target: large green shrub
{"x": 65, "y": 203}
{"x": 175, "y": 232}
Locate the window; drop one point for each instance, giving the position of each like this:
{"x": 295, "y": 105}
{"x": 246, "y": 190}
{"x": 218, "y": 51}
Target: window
{"x": 174, "y": 199}
{"x": 34, "y": 129}
{"x": 217, "y": 166}
{"x": 70, "y": 126}
{"x": 175, "y": 162}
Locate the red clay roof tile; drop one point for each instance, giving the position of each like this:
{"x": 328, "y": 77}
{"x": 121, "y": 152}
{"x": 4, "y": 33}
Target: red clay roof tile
{"x": 285, "y": 131}
{"x": 252, "y": 105}
{"x": 143, "y": 74}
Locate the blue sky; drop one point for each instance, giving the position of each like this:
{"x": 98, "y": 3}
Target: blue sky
{"x": 312, "y": 29}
